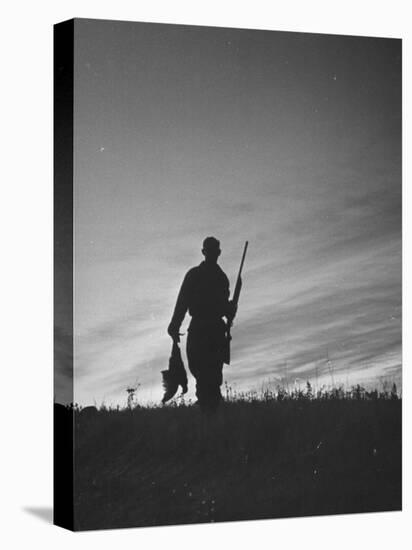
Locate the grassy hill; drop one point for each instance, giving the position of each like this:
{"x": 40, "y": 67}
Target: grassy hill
{"x": 276, "y": 456}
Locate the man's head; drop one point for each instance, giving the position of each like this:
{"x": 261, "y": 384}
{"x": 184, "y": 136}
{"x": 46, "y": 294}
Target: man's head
{"x": 211, "y": 249}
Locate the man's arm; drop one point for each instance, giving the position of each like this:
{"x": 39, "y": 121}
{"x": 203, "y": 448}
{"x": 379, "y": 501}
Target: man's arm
{"x": 181, "y": 307}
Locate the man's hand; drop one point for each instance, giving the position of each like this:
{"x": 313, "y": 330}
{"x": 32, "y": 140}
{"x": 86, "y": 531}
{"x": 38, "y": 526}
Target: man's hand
{"x": 173, "y": 332}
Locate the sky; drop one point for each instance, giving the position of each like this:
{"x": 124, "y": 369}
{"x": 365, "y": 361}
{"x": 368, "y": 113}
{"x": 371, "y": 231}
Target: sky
{"x": 290, "y": 141}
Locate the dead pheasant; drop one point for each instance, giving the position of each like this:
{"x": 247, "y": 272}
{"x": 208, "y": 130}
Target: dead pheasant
{"x": 175, "y": 375}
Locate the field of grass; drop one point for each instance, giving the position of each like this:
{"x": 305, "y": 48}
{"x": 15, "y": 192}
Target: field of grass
{"x": 271, "y": 457}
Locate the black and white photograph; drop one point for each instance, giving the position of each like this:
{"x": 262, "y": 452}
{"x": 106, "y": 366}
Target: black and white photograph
{"x": 228, "y": 274}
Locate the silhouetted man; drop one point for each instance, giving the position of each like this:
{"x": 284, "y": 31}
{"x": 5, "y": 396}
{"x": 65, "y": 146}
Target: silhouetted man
{"x": 205, "y": 294}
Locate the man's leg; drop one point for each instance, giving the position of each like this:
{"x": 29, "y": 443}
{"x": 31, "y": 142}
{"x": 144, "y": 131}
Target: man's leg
{"x": 194, "y": 357}
{"x": 208, "y": 382}
{"x": 204, "y": 354}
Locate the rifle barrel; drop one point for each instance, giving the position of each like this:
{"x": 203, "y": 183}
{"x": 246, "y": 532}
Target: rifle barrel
{"x": 243, "y": 260}
{"x": 239, "y": 280}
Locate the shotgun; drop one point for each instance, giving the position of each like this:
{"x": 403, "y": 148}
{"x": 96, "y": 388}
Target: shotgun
{"x": 235, "y": 301}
